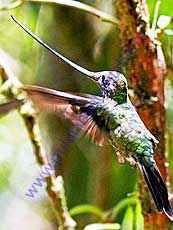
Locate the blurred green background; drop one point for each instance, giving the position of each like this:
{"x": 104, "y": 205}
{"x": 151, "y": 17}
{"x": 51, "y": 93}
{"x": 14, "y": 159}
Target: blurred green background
{"x": 92, "y": 174}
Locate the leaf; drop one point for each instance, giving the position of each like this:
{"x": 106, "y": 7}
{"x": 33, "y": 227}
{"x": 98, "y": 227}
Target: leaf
{"x": 127, "y": 223}
{"x": 86, "y": 208}
{"x": 169, "y": 32}
{"x": 123, "y": 204}
{"x": 5, "y": 172}
{"x": 84, "y": 7}
{"x": 139, "y": 219}
{"x": 163, "y": 21}
{"x": 100, "y": 226}
{"x": 164, "y": 9}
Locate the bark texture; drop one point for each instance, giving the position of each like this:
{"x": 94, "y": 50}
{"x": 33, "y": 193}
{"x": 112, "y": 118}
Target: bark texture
{"x": 143, "y": 62}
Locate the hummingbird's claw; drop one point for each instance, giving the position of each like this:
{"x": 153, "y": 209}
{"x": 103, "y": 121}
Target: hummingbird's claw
{"x": 121, "y": 158}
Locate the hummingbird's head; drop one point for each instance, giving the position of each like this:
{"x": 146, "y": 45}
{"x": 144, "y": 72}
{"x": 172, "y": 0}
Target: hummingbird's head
{"x": 113, "y": 84}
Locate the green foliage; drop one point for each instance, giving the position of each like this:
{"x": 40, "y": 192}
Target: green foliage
{"x": 122, "y": 204}
{"x": 92, "y": 175}
{"x": 99, "y": 226}
{"x": 139, "y": 219}
{"x": 163, "y": 21}
{"x": 163, "y": 10}
{"x": 86, "y": 208}
{"x": 5, "y": 170}
{"x": 128, "y": 219}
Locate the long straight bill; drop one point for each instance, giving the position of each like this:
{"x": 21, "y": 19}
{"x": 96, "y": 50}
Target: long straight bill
{"x": 75, "y": 66}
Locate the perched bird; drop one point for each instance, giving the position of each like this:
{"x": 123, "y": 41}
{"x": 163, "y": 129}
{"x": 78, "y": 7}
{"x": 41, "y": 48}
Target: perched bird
{"x": 107, "y": 119}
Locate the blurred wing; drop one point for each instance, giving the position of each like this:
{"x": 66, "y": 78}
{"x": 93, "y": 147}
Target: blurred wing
{"x": 7, "y": 107}
{"x": 81, "y": 110}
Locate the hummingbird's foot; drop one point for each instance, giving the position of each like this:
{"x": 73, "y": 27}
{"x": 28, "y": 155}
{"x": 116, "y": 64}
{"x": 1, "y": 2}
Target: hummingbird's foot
{"x": 132, "y": 161}
{"x": 121, "y": 158}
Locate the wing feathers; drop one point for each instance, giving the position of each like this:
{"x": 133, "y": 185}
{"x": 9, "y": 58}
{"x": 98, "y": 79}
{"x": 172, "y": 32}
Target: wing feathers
{"x": 70, "y": 106}
{"x": 7, "y": 107}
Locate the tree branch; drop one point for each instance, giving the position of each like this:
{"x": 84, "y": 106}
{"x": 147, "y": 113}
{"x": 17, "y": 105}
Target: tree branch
{"x": 12, "y": 88}
{"x": 155, "y": 15}
{"x": 70, "y": 3}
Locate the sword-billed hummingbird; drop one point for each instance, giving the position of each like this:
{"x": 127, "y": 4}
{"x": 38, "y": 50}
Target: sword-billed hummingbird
{"x": 107, "y": 119}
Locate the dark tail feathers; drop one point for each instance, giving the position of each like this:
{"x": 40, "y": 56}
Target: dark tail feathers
{"x": 157, "y": 188}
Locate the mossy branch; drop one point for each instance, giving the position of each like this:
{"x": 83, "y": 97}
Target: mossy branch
{"x": 12, "y": 88}
{"x": 69, "y": 3}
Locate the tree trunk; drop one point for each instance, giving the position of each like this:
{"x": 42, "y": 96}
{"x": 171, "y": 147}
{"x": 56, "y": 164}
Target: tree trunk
{"x": 143, "y": 63}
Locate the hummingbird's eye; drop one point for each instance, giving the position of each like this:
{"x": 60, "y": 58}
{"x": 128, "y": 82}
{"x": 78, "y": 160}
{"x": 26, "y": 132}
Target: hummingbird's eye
{"x": 105, "y": 81}
{"x": 103, "y": 78}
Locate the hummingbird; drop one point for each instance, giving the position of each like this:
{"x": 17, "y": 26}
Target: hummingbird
{"x": 107, "y": 119}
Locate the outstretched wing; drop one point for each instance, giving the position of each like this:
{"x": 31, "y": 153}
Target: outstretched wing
{"x": 8, "y": 106}
{"x": 80, "y": 109}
